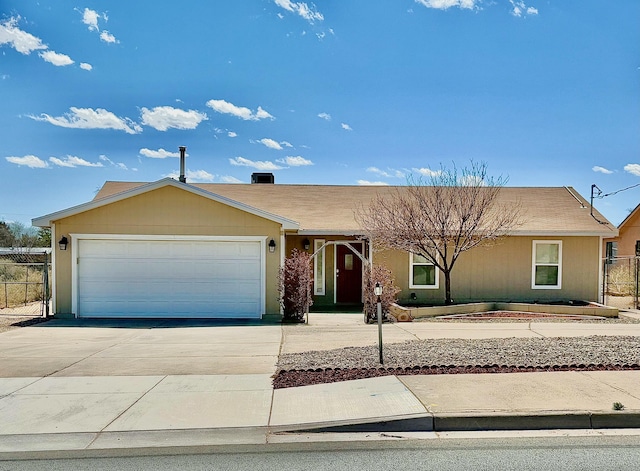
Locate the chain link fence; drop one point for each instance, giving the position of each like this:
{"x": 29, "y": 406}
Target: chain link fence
{"x": 621, "y": 281}
{"x": 25, "y": 281}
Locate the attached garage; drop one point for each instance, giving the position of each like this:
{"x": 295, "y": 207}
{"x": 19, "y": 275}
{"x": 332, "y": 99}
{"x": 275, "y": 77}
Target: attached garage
{"x": 177, "y": 277}
{"x": 166, "y": 249}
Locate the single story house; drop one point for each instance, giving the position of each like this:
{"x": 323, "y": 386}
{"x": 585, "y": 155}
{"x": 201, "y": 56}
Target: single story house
{"x": 627, "y": 243}
{"x": 176, "y": 249}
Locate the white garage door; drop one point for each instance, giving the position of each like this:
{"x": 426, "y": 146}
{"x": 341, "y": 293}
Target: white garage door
{"x": 176, "y": 278}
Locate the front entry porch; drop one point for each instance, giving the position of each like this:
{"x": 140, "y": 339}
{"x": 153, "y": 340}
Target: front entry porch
{"x": 338, "y": 269}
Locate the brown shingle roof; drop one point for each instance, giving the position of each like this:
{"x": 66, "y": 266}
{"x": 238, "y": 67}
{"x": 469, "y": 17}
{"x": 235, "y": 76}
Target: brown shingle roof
{"x": 328, "y": 208}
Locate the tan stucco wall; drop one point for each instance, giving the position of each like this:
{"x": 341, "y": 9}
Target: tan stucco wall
{"x": 629, "y": 234}
{"x": 165, "y": 211}
{"x": 503, "y": 273}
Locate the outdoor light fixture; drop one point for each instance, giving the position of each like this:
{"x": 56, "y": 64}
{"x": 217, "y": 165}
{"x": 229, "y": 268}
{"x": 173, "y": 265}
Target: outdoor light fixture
{"x": 378, "y": 289}
{"x": 306, "y": 244}
{"x": 63, "y": 242}
{"x": 272, "y": 246}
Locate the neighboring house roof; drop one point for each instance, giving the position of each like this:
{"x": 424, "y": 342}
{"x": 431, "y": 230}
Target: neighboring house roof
{"x": 629, "y": 217}
{"x": 139, "y": 188}
{"x": 330, "y": 209}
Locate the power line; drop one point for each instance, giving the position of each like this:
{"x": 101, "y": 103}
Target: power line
{"x": 617, "y": 191}
{"x": 599, "y": 195}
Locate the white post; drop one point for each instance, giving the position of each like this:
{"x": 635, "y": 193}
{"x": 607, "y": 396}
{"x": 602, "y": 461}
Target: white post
{"x": 378, "y": 292}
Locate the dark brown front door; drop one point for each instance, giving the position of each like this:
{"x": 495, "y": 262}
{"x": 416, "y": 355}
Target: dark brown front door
{"x": 348, "y": 275}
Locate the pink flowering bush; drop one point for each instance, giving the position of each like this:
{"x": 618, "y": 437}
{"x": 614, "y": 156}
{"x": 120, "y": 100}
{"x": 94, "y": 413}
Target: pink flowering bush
{"x": 295, "y": 281}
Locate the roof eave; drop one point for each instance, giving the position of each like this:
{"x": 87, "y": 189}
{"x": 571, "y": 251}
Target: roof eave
{"x": 327, "y": 232}
{"x": 610, "y": 233}
{"x": 46, "y": 221}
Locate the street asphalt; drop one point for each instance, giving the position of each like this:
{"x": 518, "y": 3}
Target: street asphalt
{"x": 87, "y": 386}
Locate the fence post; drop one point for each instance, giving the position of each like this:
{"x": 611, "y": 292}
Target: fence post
{"x": 635, "y": 294}
{"x": 45, "y": 287}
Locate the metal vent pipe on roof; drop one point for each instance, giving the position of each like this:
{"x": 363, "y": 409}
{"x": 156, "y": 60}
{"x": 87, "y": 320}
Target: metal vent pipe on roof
{"x": 183, "y": 150}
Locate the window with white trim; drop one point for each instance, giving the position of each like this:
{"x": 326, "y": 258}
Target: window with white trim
{"x": 422, "y": 273}
{"x": 318, "y": 268}
{"x": 547, "y": 264}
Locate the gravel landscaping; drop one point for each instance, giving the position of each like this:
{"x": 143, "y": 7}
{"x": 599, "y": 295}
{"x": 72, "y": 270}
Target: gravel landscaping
{"x": 446, "y": 356}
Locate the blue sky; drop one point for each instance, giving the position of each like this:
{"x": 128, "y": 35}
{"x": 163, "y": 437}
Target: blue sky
{"x": 546, "y": 93}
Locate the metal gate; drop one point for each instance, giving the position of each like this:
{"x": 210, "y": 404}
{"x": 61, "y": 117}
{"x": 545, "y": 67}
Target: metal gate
{"x": 620, "y": 282}
{"x": 25, "y": 275}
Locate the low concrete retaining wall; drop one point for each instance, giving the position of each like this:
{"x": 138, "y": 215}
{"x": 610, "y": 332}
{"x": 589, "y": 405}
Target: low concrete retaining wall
{"x": 407, "y": 314}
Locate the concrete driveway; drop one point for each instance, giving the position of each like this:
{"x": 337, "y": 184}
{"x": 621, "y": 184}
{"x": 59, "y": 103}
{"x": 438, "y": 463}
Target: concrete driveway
{"x": 138, "y": 348}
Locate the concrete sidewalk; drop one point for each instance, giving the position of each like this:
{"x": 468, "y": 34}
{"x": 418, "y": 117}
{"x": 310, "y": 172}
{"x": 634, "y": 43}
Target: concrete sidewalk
{"x": 99, "y": 413}
{"x": 92, "y": 388}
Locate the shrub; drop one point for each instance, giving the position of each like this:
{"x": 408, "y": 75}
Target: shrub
{"x": 378, "y": 274}
{"x": 295, "y": 281}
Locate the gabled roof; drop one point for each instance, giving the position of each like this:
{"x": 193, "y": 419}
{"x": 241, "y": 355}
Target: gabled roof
{"x": 629, "y": 217}
{"x": 330, "y": 209}
{"x": 107, "y": 197}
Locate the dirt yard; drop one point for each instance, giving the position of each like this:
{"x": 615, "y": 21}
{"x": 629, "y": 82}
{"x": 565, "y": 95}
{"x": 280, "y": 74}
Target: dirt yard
{"x": 8, "y": 322}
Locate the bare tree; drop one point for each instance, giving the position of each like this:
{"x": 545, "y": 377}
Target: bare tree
{"x": 451, "y": 213}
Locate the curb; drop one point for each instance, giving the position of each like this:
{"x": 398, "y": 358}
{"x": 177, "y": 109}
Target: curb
{"x": 159, "y": 442}
{"x": 482, "y": 422}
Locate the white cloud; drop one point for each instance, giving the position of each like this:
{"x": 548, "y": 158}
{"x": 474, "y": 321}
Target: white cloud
{"x": 391, "y": 173}
{"x": 85, "y": 66}
{"x": 307, "y": 12}
{"x": 346, "y": 127}
{"x": 471, "y": 180}
{"x": 225, "y": 107}
{"x": 165, "y": 117}
{"x": 606, "y": 171}
{"x": 296, "y": 161}
{"x": 427, "y": 172}
{"x": 30, "y": 161}
{"x": 230, "y": 179}
{"x": 262, "y": 114}
{"x": 376, "y": 170}
{"x": 232, "y": 134}
{"x": 119, "y": 165}
{"x": 88, "y": 118}
{"x": 270, "y": 143}
{"x": 73, "y": 161}
{"x": 368, "y": 183}
{"x": 194, "y": 176}
{"x": 26, "y": 43}
{"x": 90, "y": 18}
{"x": 19, "y": 40}
{"x": 56, "y": 59}
{"x": 199, "y": 175}
{"x": 107, "y": 37}
{"x": 257, "y": 164}
{"x": 325, "y": 116}
{"x": 286, "y": 144}
{"x": 633, "y": 169}
{"x": 445, "y": 4}
{"x": 520, "y": 8}
{"x": 158, "y": 154}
